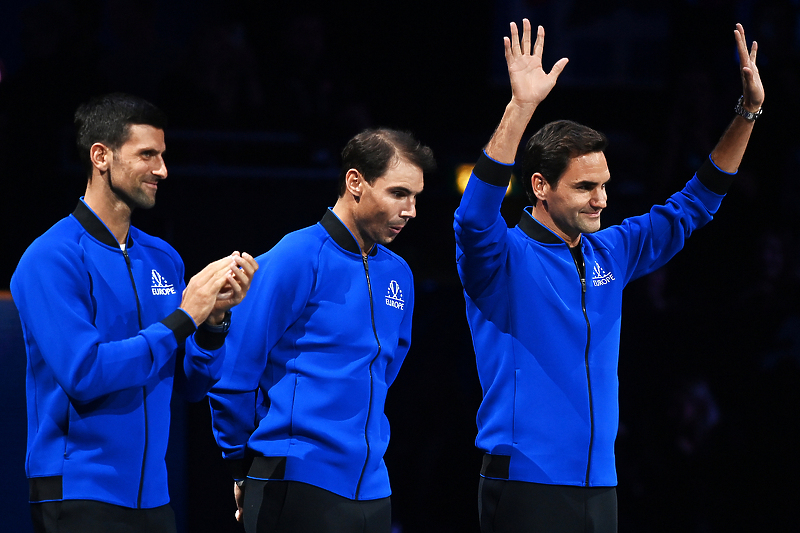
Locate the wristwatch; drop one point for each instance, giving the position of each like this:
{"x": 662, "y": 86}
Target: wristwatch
{"x": 740, "y": 110}
{"x": 222, "y": 327}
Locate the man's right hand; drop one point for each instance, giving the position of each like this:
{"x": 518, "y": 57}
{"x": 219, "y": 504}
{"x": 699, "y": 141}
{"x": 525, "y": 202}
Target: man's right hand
{"x": 530, "y": 84}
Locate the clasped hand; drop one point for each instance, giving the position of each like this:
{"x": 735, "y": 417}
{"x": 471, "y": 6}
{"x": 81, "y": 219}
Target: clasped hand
{"x": 217, "y": 288}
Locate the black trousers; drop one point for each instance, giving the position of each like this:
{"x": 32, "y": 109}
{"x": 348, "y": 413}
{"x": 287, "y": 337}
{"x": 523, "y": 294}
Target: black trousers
{"x": 88, "y": 516}
{"x": 518, "y": 507}
{"x": 279, "y": 506}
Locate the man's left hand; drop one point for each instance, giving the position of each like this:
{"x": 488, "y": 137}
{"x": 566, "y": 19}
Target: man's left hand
{"x": 752, "y": 89}
{"x": 234, "y": 291}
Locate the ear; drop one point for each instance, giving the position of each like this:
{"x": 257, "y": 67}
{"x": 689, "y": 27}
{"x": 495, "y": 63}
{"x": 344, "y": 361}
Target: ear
{"x": 100, "y": 155}
{"x": 540, "y": 186}
{"x": 353, "y": 182}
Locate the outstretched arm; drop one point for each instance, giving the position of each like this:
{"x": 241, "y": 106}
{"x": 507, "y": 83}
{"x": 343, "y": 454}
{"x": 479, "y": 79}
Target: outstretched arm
{"x": 727, "y": 155}
{"x": 530, "y": 84}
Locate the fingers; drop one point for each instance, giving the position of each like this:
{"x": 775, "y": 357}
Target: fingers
{"x": 237, "y": 281}
{"x": 526, "y": 37}
{"x": 538, "y": 46}
{"x": 745, "y": 57}
{"x": 212, "y": 270}
{"x": 246, "y": 267}
{"x": 752, "y": 89}
{"x": 515, "y": 49}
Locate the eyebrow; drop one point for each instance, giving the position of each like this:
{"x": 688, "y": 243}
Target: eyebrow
{"x": 406, "y": 190}
{"x": 584, "y": 183}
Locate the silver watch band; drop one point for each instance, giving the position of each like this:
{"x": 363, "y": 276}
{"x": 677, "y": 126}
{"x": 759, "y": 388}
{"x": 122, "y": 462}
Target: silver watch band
{"x": 740, "y": 110}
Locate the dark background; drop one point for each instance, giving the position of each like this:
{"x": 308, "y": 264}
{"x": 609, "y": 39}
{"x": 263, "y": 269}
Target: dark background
{"x": 261, "y": 99}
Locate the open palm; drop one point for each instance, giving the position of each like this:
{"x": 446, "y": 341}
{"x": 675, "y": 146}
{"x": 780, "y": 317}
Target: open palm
{"x": 530, "y": 84}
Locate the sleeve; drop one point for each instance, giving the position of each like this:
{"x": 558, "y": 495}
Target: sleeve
{"x": 276, "y": 299}
{"x": 481, "y": 232}
{"x": 649, "y": 241}
{"x": 202, "y": 362}
{"x": 52, "y": 291}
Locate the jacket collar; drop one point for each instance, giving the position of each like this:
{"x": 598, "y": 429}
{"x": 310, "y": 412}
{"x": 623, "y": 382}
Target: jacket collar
{"x": 96, "y": 228}
{"x": 536, "y": 230}
{"x": 341, "y": 235}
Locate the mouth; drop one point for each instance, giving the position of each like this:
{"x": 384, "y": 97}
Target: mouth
{"x": 395, "y": 229}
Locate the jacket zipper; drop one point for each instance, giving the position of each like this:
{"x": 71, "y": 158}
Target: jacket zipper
{"x": 369, "y": 406}
{"x": 582, "y": 275}
{"x": 144, "y": 391}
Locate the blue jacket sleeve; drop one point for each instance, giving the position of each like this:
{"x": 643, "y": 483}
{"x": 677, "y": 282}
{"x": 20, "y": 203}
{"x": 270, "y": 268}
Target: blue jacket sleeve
{"x": 481, "y": 232}
{"x": 277, "y": 297}
{"x": 52, "y": 292}
{"x": 645, "y": 243}
{"x": 202, "y": 363}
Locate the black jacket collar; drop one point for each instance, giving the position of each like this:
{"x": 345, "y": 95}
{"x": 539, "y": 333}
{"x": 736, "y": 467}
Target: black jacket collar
{"x": 536, "y": 230}
{"x": 95, "y": 227}
{"x": 341, "y": 235}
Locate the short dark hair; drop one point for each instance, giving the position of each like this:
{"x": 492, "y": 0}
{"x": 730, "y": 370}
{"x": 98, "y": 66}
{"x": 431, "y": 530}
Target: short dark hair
{"x": 107, "y": 119}
{"x": 551, "y": 148}
{"x": 372, "y": 151}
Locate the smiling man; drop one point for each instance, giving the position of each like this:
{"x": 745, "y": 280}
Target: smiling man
{"x": 544, "y": 299}
{"x": 110, "y": 326}
{"x": 298, "y": 412}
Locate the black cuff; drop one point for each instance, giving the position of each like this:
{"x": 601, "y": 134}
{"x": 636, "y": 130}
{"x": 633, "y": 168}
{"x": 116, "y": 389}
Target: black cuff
{"x": 713, "y": 178}
{"x": 209, "y": 340}
{"x": 181, "y": 325}
{"x": 213, "y": 337}
{"x": 492, "y": 172}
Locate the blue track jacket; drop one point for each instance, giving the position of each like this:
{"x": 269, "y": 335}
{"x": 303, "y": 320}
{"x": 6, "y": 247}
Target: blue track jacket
{"x": 104, "y": 336}
{"x": 546, "y": 340}
{"x": 314, "y": 348}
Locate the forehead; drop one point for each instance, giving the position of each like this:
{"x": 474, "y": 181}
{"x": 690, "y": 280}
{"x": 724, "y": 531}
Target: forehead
{"x": 588, "y": 167}
{"x": 402, "y": 174}
{"x": 144, "y": 137}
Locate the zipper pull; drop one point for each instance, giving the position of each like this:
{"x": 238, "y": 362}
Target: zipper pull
{"x": 583, "y": 285}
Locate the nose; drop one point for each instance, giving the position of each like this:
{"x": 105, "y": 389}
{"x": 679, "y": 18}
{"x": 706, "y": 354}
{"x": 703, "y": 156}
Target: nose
{"x": 161, "y": 170}
{"x": 600, "y": 198}
{"x": 410, "y": 209}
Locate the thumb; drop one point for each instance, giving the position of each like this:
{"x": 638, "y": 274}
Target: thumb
{"x": 555, "y": 72}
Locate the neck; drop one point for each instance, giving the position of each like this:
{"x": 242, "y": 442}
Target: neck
{"x": 114, "y": 213}
{"x": 344, "y": 211}
{"x": 542, "y": 215}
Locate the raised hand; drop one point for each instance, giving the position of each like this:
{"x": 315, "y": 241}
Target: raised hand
{"x": 752, "y": 89}
{"x": 530, "y": 84}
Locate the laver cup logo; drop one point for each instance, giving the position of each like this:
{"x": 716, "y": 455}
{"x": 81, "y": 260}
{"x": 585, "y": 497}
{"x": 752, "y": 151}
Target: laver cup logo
{"x": 600, "y": 276}
{"x": 160, "y": 285}
{"x": 394, "y": 296}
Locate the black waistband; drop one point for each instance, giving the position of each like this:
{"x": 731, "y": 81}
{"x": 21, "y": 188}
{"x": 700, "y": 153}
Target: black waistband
{"x": 45, "y": 489}
{"x": 268, "y": 468}
{"x": 495, "y": 466}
